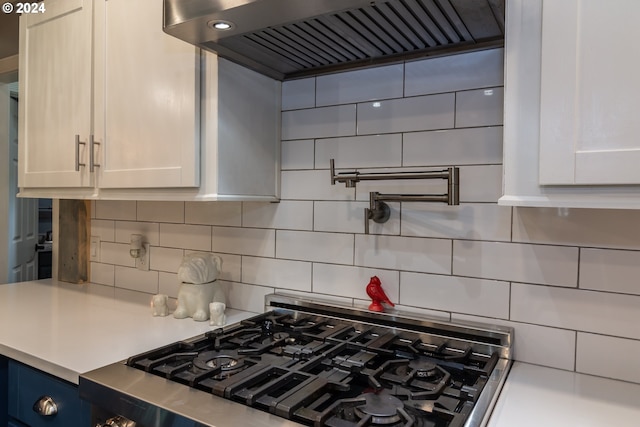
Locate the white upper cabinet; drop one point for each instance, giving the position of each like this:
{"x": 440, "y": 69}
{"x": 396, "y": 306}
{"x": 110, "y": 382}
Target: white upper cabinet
{"x": 55, "y": 95}
{"x": 114, "y": 108}
{"x": 147, "y": 89}
{"x": 571, "y": 94}
{"x": 590, "y": 99}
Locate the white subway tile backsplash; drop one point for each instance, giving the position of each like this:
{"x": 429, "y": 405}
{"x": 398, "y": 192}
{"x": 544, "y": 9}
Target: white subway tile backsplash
{"x": 469, "y": 146}
{"x": 348, "y": 217}
{"x": 481, "y": 183}
{"x": 467, "y": 221}
{"x": 168, "y": 284}
{"x": 351, "y": 281}
{"x": 404, "y": 253}
{"x": 481, "y": 107}
{"x": 540, "y": 345}
{"x": 319, "y": 122}
{"x": 469, "y": 262}
{"x": 549, "y": 265}
{"x": 116, "y": 253}
{"x": 609, "y": 270}
{"x": 297, "y": 154}
{"x": 243, "y": 241}
{"x": 277, "y": 273}
{"x": 286, "y": 214}
{"x": 213, "y": 213}
{"x": 104, "y": 229}
{"x": 231, "y": 267}
{"x": 361, "y": 85}
{"x": 102, "y": 273}
{"x": 602, "y": 228}
{"x": 360, "y": 151}
{"x": 609, "y": 357}
{"x": 165, "y": 259}
{"x": 312, "y": 185}
{"x": 246, "y": 297}
{"x": 488, "y": 298}
{"x": 137, "y": 280}
{"x": 194, "y": 237}
{"x": 161, "y": 211}
{"x": 149, "y": 230}
{"x": 577, "y": 309}
{"x": 406, "y": 114}
{"x": 451, "y": 73}
{"x": 116, "y": 209}
{"x": 315, "y": 246}
{"x": 298, "y": 94}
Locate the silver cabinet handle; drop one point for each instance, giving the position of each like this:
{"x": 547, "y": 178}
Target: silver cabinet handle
{"x": 92, "y": 163}
{"x": 118, "y": 422}
{"x": 45, "y": 406}
{"x": 78, "y": 143}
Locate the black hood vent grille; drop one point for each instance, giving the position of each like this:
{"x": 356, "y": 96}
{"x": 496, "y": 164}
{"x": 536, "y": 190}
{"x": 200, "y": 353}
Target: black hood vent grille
{"x": 373, "y": 33}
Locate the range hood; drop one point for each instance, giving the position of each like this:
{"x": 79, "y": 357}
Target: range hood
{"x": 286, "y": 39}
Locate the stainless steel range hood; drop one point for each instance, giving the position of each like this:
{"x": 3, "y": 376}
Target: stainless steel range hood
{"x": 294, "y": 38}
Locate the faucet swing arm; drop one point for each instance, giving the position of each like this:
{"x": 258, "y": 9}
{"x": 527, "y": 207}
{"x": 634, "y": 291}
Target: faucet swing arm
{"x": 378, "y": 210}
{"x": 351, "y": 178}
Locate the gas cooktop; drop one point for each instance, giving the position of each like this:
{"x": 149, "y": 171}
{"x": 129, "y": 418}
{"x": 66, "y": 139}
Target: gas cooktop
{"x": 312, "y": 364}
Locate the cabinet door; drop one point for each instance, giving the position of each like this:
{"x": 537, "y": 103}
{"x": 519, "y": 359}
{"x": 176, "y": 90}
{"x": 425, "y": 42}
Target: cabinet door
{"x": 147, "y": 99}
{"x": 55, "y": 95}
{"x": 590, "y": 92}
{"x": 27, "y": 386}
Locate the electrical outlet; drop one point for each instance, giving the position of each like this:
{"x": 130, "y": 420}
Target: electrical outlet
{"x": 94, "y": 249}
{"x": 142, "y": 263}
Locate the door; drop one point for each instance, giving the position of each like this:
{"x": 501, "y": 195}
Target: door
{"x": 55, "y": 89}
{"x": 147, "y": 99}
{"x": 590, "y": 92}
{"x": 23, "y": 214}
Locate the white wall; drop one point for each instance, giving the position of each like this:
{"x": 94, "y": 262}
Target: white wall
{"x": 567, "y": 280}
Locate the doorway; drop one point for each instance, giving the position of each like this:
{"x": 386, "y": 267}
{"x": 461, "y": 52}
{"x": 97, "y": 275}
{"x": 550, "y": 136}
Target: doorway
{"x": 21, "y": 238}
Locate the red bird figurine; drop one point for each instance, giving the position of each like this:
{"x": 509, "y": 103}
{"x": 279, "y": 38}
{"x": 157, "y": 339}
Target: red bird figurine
{"x": 377, "y": 295}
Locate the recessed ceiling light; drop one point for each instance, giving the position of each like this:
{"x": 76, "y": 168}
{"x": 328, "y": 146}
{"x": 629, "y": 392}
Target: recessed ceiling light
{"x": 221, "y": 25}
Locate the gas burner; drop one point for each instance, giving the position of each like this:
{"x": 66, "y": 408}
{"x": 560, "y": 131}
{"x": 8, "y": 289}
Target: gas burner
{"x": 324, "y": 370}
{"x": 226, "y": 362}
{"x": 368, "y": 409}
{"x": 381, "y": 409}
{"x": 424, "y": 369}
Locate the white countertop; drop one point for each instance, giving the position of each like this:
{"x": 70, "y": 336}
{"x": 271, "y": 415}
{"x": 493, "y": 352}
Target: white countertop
{"x": 535, "y": 396}
{"x": 66, "y": 329}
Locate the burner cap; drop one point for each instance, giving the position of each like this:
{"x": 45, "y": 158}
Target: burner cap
{"x": 423, "y": 368}
{"x": 224, "y": 362}
{"x": 382, "y": 408}
{"x": 227, "y": 362}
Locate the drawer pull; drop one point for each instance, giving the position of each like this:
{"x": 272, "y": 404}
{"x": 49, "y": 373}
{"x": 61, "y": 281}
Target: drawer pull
{"x": 45, "y": 406}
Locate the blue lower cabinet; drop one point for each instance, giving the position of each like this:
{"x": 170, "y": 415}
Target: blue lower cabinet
{"x": 33, "y": 395}
{"x": 14, "y": 423}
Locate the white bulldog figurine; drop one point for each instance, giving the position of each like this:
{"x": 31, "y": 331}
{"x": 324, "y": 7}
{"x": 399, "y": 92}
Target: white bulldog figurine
{"x": 198, "y": 273}
{"x": 218, "y": 318}
{"x": 159, "y": 305}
